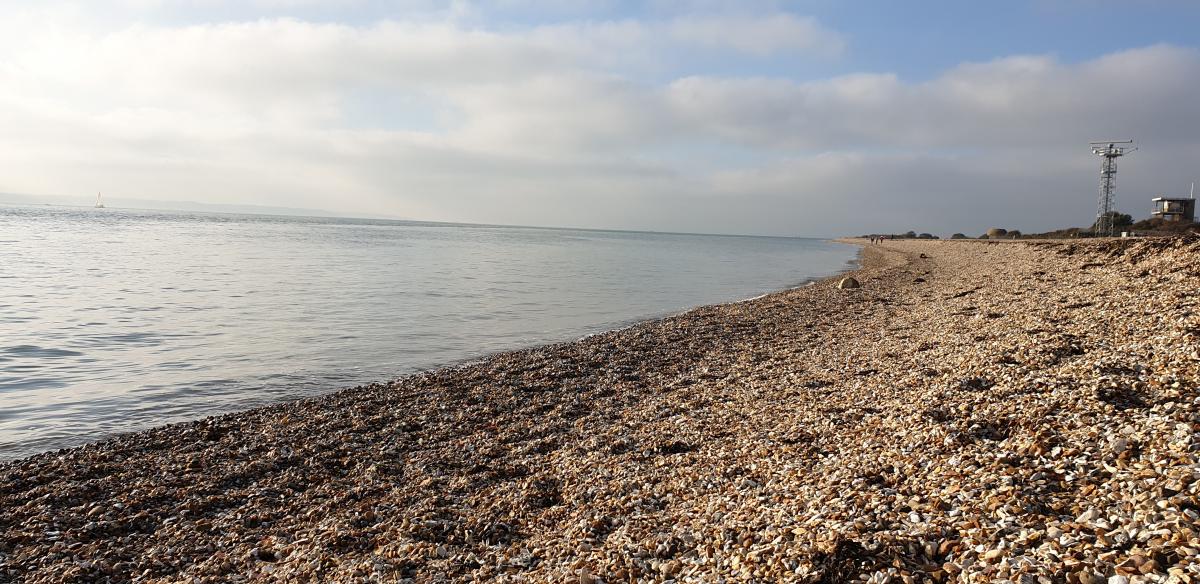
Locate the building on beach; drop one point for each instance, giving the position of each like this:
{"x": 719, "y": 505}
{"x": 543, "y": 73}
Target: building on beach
{"x": 1174, "y": 209}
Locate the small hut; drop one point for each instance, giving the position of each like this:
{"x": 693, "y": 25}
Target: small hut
{"x": 1173, "y": 209}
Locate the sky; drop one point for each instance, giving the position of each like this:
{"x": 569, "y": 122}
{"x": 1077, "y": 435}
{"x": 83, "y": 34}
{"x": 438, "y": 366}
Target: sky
{"x": 814, "y": 118}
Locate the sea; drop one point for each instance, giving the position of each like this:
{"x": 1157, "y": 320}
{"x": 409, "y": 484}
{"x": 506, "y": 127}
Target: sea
{"x": 116, "y": 320}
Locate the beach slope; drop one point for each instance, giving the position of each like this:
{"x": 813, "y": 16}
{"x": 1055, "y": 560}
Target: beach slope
{"x": 973, "y": 412}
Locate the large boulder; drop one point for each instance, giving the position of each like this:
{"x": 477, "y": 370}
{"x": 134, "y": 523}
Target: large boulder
{"x": 849, "y": 283}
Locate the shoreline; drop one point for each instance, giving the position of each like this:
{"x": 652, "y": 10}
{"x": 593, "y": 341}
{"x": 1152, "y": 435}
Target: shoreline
{"x": 852, "y": 265}
{"x": 809, "y": 434}
{"x": 26, "y": 439}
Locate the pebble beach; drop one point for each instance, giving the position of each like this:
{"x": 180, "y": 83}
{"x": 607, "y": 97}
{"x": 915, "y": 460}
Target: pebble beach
{"x": 972, "y": 412}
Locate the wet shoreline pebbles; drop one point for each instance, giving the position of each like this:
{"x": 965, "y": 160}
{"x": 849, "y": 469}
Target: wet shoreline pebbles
{"x": 1023, "y": 412}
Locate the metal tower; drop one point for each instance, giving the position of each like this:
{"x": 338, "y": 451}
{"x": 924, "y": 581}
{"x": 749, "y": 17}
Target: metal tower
{"x": 1110, "y": 151}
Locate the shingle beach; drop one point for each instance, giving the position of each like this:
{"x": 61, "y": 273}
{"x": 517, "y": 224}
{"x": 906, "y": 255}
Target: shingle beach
{"x": 974, "y": 412}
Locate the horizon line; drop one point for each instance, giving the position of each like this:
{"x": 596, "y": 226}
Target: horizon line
{"x": 332, "y": 215}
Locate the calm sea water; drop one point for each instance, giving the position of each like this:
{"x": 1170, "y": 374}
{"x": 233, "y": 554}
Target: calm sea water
{"x": 117, "y": 320}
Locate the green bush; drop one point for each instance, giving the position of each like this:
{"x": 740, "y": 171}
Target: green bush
{"x": 1118, "y": 220}
{"x": 1160, "y": 224}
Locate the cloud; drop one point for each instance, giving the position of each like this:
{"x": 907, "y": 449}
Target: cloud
{"x": 561, "y": 124}
{"x": 1026, "y": 101}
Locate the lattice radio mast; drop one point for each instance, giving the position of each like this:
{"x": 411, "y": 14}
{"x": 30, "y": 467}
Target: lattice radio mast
{"x": 1110, "y": 151}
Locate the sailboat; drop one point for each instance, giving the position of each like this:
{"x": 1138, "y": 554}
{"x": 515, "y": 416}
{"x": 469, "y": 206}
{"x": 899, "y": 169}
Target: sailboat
{"x": 99, "y": 203}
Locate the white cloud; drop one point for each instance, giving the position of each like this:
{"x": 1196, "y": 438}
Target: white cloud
{"x": 1012, "y": 102}
{"x": 558, "y": 124}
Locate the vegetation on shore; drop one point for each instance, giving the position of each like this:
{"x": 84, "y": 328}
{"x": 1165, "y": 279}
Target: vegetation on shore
{"x": 1153, "y": 226}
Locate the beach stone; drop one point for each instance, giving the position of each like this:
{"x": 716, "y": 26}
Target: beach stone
{"x": 1119, "y": 445}
{"x": 849, "y": 283}
{"x": 918, "y": 451}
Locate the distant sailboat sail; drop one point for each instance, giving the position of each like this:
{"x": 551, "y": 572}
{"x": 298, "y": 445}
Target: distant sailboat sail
{"x": 99, "y": 203}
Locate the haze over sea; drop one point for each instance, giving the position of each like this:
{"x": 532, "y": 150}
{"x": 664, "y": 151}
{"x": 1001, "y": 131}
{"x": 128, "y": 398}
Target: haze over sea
{"x": 117, "y": 320}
